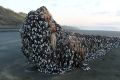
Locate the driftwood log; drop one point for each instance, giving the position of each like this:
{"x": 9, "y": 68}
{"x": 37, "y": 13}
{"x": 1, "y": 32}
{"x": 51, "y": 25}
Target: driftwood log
{"x": 54, "y": 50}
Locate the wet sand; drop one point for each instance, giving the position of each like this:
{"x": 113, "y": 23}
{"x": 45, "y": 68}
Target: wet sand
{"x": 13, "y": 64}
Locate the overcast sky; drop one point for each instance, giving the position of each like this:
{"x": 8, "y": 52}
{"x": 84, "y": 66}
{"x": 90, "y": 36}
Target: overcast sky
{"x": 85, "y": 14}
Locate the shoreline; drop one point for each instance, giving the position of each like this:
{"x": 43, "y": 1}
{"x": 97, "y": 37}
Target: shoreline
{"x": 8, "y": 30}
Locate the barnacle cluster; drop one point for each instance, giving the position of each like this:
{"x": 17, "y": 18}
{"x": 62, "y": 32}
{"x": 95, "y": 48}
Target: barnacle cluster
{"x": 53, "y": 50}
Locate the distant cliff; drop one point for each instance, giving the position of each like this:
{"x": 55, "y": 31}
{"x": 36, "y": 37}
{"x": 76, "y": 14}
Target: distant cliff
{"x": 9, "y": 18}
